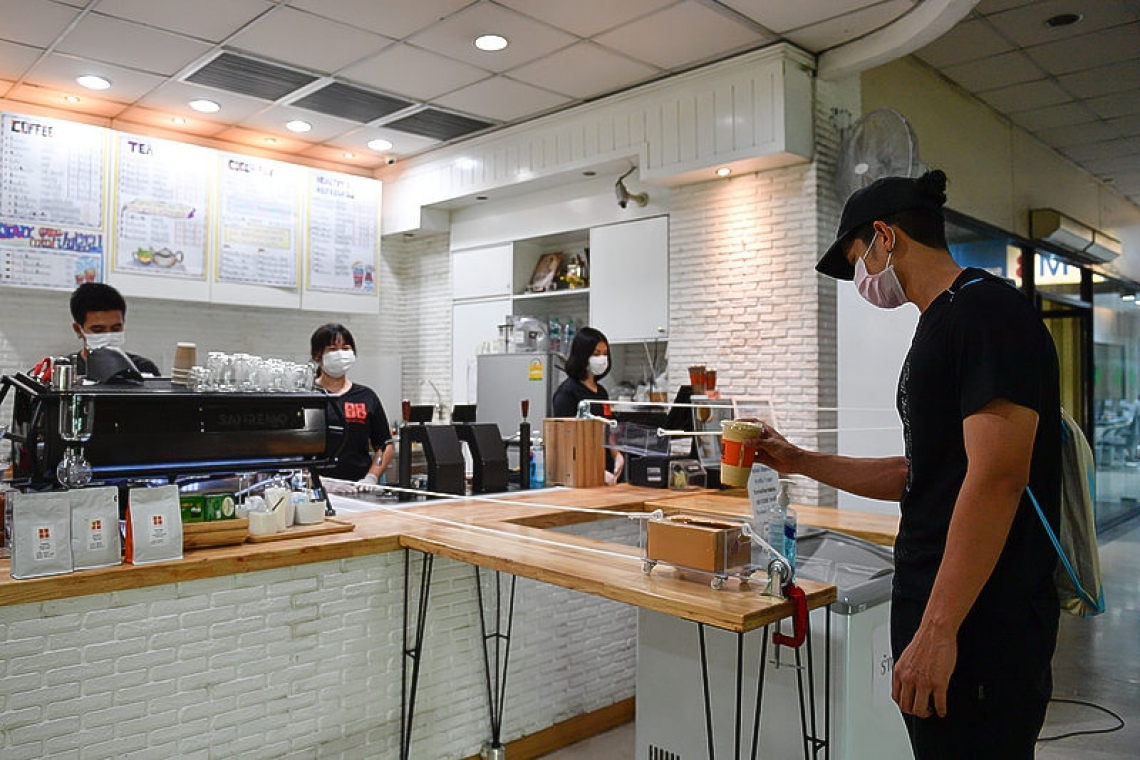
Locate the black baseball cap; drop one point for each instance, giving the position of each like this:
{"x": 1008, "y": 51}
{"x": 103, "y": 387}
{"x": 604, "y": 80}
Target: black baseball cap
{"x": 882, "y": 198}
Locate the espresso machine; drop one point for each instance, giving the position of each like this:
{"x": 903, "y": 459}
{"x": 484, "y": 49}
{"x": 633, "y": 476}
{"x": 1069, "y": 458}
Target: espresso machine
{"x": 156, "y": 429}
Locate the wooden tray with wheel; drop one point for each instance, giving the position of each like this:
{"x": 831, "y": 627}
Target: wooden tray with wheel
{"x": 329, "y": 525}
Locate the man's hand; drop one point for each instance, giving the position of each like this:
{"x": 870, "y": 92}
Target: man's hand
{"x": 922, "y": 674}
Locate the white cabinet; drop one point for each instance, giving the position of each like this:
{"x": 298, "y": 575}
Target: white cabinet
{"x": 629, "y": 280}
{"x": 482, "y": 272}
{"x": 474, "y": 323}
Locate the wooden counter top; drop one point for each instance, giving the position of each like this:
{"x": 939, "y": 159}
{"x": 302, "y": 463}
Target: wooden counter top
{"x": 876, "y": 528}
{"x": 505, "y": 534}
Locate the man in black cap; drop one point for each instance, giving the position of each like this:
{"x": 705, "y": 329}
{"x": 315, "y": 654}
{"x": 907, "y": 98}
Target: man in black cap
{"x": 974, "y": 609}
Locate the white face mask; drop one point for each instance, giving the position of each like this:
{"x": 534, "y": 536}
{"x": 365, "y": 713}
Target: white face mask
{"x": 337, "y": 363}
{"x": 104, "y": 340}
{"x": 598, "y": 365}
{"x": 882, "y": 289}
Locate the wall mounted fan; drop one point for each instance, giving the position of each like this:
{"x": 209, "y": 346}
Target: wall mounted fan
{"x": 881, "y": 144}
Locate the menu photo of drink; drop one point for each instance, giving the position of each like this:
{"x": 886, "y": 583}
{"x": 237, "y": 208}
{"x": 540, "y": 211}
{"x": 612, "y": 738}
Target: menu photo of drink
{"x": 52, "y": 176}
{"x": 343, "y": 234}
{"x": 162, "y": 196}
{"x": 258, "y": 220}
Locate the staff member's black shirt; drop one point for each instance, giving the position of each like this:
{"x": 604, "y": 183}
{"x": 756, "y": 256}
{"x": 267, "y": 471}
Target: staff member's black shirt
{"x": 362, "y": 416}
{"x": 571, "y": 392}
{"x": 978, "y": 342}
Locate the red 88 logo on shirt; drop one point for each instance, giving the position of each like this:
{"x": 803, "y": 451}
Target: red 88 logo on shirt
{"x": 355, "y": 412}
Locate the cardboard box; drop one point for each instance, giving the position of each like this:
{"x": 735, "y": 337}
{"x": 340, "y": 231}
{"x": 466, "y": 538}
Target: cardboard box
{"x": 699, "y": 543}
{"x": 193, "y": 507}
{"x": 219, "y": 506}
{"x": 573, "y": 453}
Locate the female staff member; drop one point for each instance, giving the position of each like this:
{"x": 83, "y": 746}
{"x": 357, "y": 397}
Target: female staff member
{"x": 589, "y": 362}
{"x": 356, "y": 408}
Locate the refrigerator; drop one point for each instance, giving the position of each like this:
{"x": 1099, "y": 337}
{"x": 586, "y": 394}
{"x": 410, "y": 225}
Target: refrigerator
{"x": 504, "y": 380}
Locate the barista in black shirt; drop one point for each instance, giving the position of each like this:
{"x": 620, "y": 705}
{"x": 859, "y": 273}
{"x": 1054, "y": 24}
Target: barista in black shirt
{"x": 100, "y": 314}
{"x": 589, "y": 362}
{"x": 355, "y": 408}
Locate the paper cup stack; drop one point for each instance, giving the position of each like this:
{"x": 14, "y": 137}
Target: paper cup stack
{"x": 184, "y": 357}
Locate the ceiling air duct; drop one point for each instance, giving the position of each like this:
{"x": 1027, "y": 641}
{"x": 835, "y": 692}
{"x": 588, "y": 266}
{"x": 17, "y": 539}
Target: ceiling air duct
{"x": 1051, "y": 226}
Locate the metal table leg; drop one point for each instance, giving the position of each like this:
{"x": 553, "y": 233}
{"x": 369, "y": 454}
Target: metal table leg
{"x": 816, "y": 738}
{"x": 496, "y": 653}
{"x": 413, "y": 652}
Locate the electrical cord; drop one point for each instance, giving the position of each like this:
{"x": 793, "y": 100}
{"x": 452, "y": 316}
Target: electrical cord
{"x": 1087, "y": 732}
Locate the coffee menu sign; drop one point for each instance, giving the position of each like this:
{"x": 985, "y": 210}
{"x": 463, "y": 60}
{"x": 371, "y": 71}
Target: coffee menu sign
{"x": 259, "y": 212}
{"x": 52, "y": 191}
{"x": 78, "y": 200}
{"x": 342, "y": 232}
{"x": 162, "y": 199}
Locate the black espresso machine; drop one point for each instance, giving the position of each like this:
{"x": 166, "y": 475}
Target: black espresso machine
{"x": 159, "y": 429}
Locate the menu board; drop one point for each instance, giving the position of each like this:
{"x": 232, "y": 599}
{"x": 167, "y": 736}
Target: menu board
{"x": 162, "y": 196}
{"x": 342, "y": 237}
{"x": 258, "y": 217}
{"x": 51, "y": 202}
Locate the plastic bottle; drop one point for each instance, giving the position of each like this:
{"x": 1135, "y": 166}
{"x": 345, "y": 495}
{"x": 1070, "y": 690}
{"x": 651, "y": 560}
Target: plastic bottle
{"x": 537, "y": 466}
{"x": 555, "y": 335}
{"x": 785, "y": 525}
{"x": 569, "y": 333}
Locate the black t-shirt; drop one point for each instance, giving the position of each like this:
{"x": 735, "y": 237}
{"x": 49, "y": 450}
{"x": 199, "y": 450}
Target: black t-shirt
{"x": 362, "y": 417}
{"x": 977, "y": 342}
{"x": 571, "y": 392}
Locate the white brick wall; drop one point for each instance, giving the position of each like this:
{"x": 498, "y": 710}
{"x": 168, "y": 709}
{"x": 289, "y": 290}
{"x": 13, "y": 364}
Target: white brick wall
{"x": 298, "y": 662}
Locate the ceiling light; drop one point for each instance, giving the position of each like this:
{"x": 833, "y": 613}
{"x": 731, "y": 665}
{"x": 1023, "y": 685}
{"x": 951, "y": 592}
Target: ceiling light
{"x": 72, "y": 98}
{"x": 205, "y": 106}
{"x": 1063, "y": 19}
{"x": 298, "y": 125}
{"x": 589, "y": 173}
{"x": 349, "y": 155}
{"x": 271, "y": 140}
{"x": 92, "y": 82}
{"x": 723, "y": 171}
{"x": 379, "y": 145}
{"x": 491, "y": 42}
{"x": 179, "y": 120}
{"x": 480, "y": 197}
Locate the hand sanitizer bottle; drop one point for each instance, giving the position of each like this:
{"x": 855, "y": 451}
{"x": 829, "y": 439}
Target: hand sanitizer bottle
{"x": 788, "y": 525}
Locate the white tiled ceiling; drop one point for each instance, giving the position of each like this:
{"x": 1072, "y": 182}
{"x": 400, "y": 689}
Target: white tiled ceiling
{"x": 1077, "y": 88}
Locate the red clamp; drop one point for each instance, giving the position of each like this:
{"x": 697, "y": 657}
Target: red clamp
{"x": 796, "y": 595}
{"x": 42, "y": 370}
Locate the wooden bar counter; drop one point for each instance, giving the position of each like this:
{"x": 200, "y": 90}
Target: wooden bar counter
{"x": 507, "y": 534}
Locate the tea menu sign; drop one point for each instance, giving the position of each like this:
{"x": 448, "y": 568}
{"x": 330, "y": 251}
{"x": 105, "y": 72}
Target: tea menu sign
{"x": 162, "y": 196}
{"x": 258, "y": 220}
{"x": 52, "y": 180}
{"x": 342, "y": 230}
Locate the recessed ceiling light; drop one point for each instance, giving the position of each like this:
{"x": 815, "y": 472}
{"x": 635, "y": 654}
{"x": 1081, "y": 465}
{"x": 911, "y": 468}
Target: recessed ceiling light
{"x": 723, "y": 171}
{"x": 72, "y": 98}
{"x": 1063, "y": 19}
{"x": 379, "y": 145}
{"x": 480, "y": 197}
{"x": 349, "y": 155}
{"x": 179, "y": 120}
{"x": 589, "y": 173}
{"x": 271, "y": 140}
{"x": 298, "y": 125}
{"x": 205, "y": 106}
{"x": 491, "y": 42}
{"x": 92, "y": 82}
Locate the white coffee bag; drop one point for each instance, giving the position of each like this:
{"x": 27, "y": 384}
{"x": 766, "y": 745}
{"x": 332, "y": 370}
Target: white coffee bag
{"x": 154, "y": 525}
{"x": 95, "y": 528}
{"x": 41, "y": 534}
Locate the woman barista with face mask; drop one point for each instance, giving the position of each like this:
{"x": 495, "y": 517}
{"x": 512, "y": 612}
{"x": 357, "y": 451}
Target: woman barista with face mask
{"x": 355, "y": 407}
{"x": 588, "y": 362}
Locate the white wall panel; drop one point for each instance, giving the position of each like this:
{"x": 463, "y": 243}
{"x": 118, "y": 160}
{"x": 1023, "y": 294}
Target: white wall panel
{"x": 665, "y": 124}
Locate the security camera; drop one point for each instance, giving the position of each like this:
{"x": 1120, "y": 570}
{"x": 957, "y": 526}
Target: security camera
{"x": 624, "y": 196}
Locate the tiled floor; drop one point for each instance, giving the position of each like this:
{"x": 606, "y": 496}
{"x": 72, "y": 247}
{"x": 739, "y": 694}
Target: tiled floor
{"x": 1097, "y": 661}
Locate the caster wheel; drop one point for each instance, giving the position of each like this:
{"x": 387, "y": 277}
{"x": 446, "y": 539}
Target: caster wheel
{"x": 647, "y": 566}
{"x": 717, "y": 583}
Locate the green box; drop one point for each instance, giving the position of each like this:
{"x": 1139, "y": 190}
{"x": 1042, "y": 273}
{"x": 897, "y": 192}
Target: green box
{"x": 219, "y": 506}
{"x": 193, "y": 507}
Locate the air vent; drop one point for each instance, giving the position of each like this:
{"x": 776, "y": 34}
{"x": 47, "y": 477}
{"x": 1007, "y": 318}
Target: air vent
{"x": 438, "y": 125}
{"x": 350, "y": 102}
{"x": 248, "y": 76}
{"x": 656, "y": 753}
